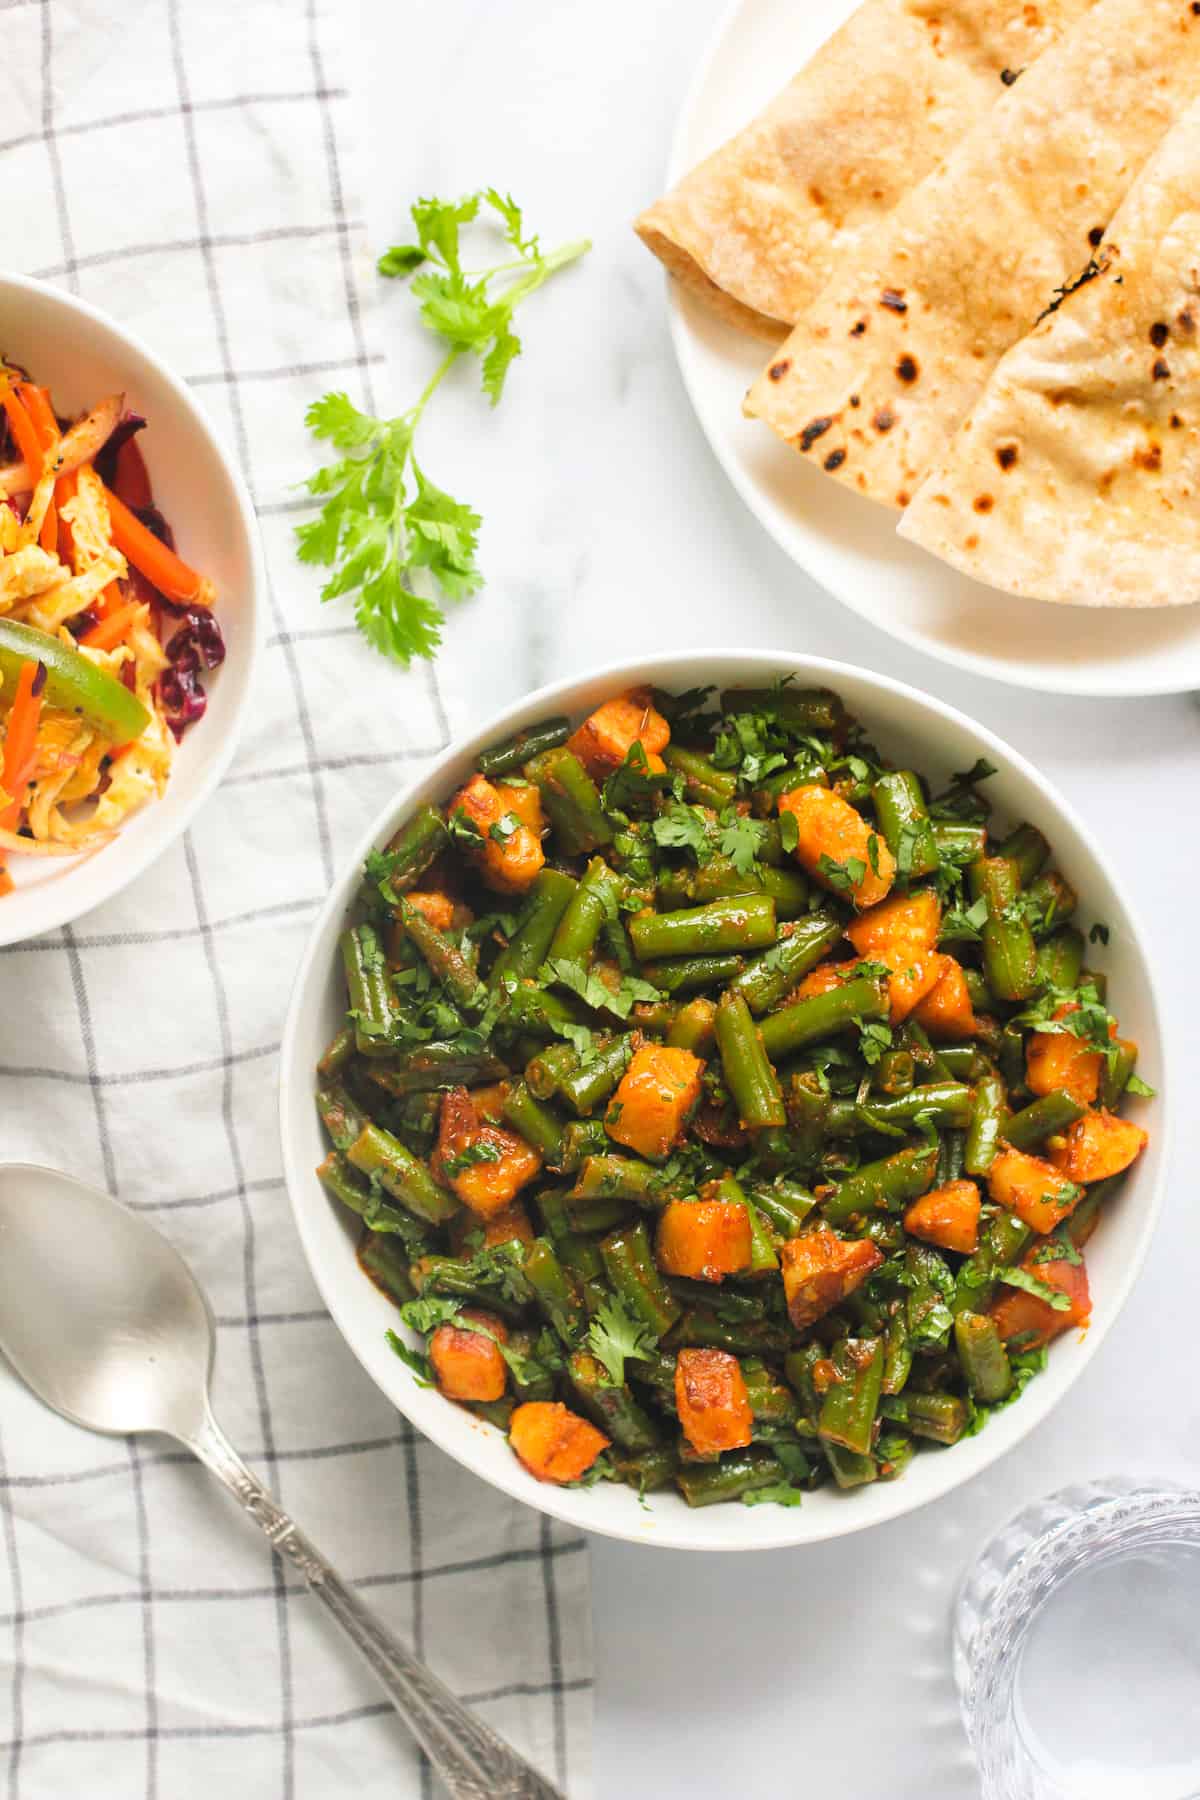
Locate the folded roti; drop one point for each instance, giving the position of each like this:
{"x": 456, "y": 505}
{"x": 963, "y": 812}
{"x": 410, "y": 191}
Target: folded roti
{"x": 888, "y": 360}
{"x": 755, "y": 229}
{"x": 1076, "y": 476}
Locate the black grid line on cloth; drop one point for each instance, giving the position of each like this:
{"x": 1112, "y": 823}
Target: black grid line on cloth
{"x": 554, "y": 1649}
{"x": 313, "y": 1722}
{"x": 285, "y": 372}
{"x": 135, "y": 1077}
{"x": 206, "y": 242}
{"x": 145, "y": 115}
{"x": 183, "y": 1458}
{"x": 249, "y": 1272}
{"x": 476, "y": 1565}
{"x": 16, "y": 1622}
{"x": 170, "y": 934}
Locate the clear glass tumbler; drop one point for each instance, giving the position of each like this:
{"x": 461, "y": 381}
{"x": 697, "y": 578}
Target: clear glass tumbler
{"x": 1077, "y": 1648}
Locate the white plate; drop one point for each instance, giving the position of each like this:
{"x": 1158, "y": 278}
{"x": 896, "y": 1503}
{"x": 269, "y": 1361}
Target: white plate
{"x": 922, "y": 733}
{"x": 845, "y": 542}
{"x": 82, "y": 355}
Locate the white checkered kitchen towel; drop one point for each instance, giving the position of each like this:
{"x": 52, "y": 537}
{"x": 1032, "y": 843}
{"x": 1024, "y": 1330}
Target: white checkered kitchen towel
{"x": 186, "y": 165}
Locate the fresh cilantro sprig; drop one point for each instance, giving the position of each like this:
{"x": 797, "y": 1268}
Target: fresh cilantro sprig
{"x": 613, "y": 1338}
{"x": 385, "y": 525}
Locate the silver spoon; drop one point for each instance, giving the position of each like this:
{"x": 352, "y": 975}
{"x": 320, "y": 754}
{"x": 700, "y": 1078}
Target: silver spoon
{"x": 103, "y": 1319}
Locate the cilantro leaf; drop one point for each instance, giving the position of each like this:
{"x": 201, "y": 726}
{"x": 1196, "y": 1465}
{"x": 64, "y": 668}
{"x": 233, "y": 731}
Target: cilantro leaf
{"x": 594, "y": 991}
{"x": 1041, "y": 1290}
{"x": 789, "y": 831}
{"x": 740, "y": 840}
{"x": 613, "y": 1337}
{"x": 416, "y": 1360}
{"x": 1135, "y": 1085}
{"x": 844, "y": 878}
{"x": 392, "y": 537}
{"x": 681, "y": 827}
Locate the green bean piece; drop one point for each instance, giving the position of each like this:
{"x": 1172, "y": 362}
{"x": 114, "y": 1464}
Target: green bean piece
{"x": 1052, "y": 902}
{"x": 580, "y": 1139}
{"x": 982, "y": 998}
{"x": 369, "y": 987}
{"x": 537, "y": 1013}
{"x": 340, "y": 1115}
{"x": 649, "y": 1471}
{"x": 654, "y": 1018}
{"x": 338, "y": 1053}
{"x": 1082, "y": 1221}
{"x": 1118, "y": 1069}
{"x": 849, "y": 1405}
{"x": 704, "y": 783}
{"x": 741, "y": 922}
{"x": 733, "y": 1304}
{"x": 699, "y": 1329}
{"x": 897, "y": 1352}
{"x": 823, "y": 1015}
{"x": 944, "y": 1103}
{"x": 749, "y": 1076}
{"x": 996, "y": 879}
{"x": 763, "y": 1256}
{"x": 656, "y": 1371}
{"x": 985, "y": 1365}
{"x": 571, "y": 801}
{"x": 798, "y": 1366}
{"x": 437, "y": 1065}
{"x": 522, "y": 957}
{"x": 988, "y": 1112}
{"x": 1048, "y": 1115}
{"x": 694, "y": 1027}
{"x": 375, "y": 1152}
{"x": 765, "y": 981}
{"x": 494, "y": 1412}
{"x": 579, "y": 926}
{"x": 942, "y": 1417}
{"x": 890, "y": 1183}
{"x": 738, "y": 1472}
{"x": 785, "y": 1206}
{"x": 534, "y": 740}
{"x": 807, "y": 1109}
{"x": 533, "y": 1121}
{"x": 1097, "y": 979}
{"x": 1060, "y": 958}
{"x": 1011, "y": 1057}
{"x": 1010, "y": 958}
{"x": 951, "y": 1151}
{"x": 850, "y": 1468}
{"x": 443, "y": 958}
{"x": 1003, "y": 1241}
{"x": 771, "y": 1402}
{"x": 527, "y": 1386}
{"x": 893, "y": 1453}
{"x": 338, "y": 1178}
{"x": 1028, "y": 849}
{"x": 387, "y": 1264}
{"x": 612, "y": 1408}
{"x": 895, "y": 1072}
{"x": 631, "y": 1270}
{"x": 625, "y": 1178}
{"x": 554, "y": 1294}
{"x": 788, "y": 889}
{"x": 588, "y": 1086}
{"x": 886, "y": 1233}
{"x": 904, "y": 820}
{"x": 414, "y": 847}
{"x": 452, "y": 1279}
{"x": 959, "y": 843}
{"x": 545, "y": 1072}
{"x": 686, "y": 974}
{"x": 960, "y": 1061}
{"x": 800, "y": 710}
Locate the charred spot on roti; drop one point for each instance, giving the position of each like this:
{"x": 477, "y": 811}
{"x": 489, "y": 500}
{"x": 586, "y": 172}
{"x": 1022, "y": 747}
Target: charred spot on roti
{"x": 816, "y": 428}
{"x": 983, "y": 503}
{"x": 1149, "y": 457}
{"x": 1096, "y": 236}
{"x": 1006, "y": 456}
{"x": 1161, "y": 370}
{"x": 834, "y": 460}
{"x": 902, "y": 499}
{"x": 857, "y": 329}
{"x": 778, "y": 370}
{"x": 893, "y": 299}
{"x": 1176, "y": 422}
{"x": 1009, "y": 76}
{"x": 816, "y": 196}
{"x": 856, "y": 399}
{"x": 1186, "y": 320}
{"x": 972, "y": 543}
{"x": 884, "y": 419}
{"x": 1159, "y": 333}
{"x": 941, "y": 499}
{"x": 907, "y": 369}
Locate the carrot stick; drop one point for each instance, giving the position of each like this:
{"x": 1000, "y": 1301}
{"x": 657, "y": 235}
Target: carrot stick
{"x": 131, "y": 479}
{"x": 112, "y": 627}
{"x": 36, "y": 402}
{"x": 169, "y": 573}
{"x": 19, "y": 741}
{"x": 25, "y": 436}
{"x": 64, "y": 490}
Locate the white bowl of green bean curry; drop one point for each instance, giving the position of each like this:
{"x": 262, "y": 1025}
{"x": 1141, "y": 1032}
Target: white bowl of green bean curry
{"x": 722, "y": 1101}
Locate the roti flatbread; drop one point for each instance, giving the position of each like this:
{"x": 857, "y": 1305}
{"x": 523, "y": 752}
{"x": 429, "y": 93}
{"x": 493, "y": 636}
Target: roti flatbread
{"x": 755, "y": 229}
{"x": 884, "y": 366}
{"x": 1077, "y": 474}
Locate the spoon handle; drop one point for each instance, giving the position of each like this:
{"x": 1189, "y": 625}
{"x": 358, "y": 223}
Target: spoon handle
{"x": 473, "y": 1762}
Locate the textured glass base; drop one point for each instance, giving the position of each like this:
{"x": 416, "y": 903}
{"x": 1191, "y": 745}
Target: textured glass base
{"x": 1077, "y": 1648}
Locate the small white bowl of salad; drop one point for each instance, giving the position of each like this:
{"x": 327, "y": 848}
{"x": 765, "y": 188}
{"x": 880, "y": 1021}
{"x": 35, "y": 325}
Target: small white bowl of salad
{"x": 130, "y": 584}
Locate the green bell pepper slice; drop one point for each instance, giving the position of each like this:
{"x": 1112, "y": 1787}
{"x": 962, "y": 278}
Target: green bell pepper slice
{"x": 73, "y": 683}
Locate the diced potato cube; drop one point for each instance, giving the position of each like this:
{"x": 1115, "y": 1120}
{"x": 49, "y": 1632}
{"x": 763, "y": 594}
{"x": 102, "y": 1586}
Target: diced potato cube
{"x": 828, "y": 826}
{"x": 946, "y": 1012}
{"x": 511, "y": 860}
{"x": 947, "y": 1216}
{"x": 1032, "y": 1188}
{"x": 820, "y": 1269}
{"x": 1099, "y": 1145}
{"x": 911, "y": 921}
{"x": 485, "y": 1165}
{"x": 554, "y": 1443}
{"x": 466, "y": 1364}
{"x": 712, "y": 1401}
{"x": 703, "y": 1239}
{"x": 655, "y": 1096}
{"x": 603, "y": 741}
{"x": 1035, "y": 1321}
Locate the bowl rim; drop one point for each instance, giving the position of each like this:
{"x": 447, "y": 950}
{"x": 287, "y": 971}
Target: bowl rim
{"x": 64, "y": 903}
{"x": 304, "y": 1190}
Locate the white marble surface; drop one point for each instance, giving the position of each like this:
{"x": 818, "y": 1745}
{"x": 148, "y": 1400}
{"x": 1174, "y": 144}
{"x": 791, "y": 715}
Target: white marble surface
{"x": 610, "y": 530}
